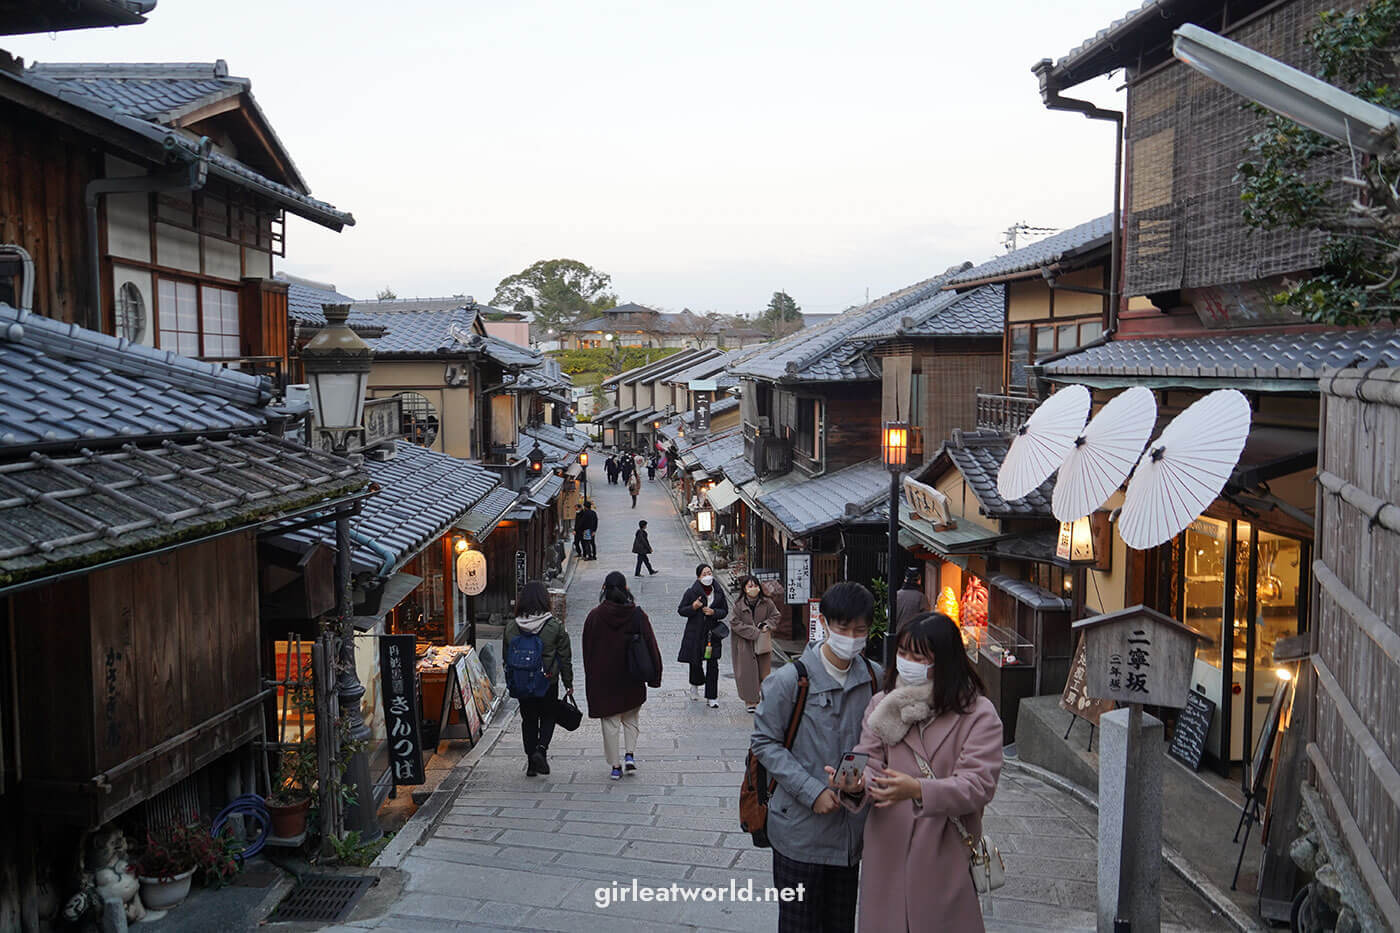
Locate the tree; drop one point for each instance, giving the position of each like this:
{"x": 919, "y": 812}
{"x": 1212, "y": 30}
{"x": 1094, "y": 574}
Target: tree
{"x": 782, "y": 316}
{"x": 556, "y": 292}
{"x": 385, "y": 294}
{"x": 1289, "y": 182}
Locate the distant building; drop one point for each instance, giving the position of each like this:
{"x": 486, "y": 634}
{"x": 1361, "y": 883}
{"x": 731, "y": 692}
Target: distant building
{"x": 634, "y": 325}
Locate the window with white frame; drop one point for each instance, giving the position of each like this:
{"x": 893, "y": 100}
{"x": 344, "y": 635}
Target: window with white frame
{"x": 220, "y": 322}
{"x": 197, "y": 320}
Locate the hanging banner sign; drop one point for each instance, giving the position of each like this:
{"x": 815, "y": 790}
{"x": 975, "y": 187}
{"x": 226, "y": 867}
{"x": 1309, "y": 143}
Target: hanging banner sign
{"x": 702, "y": 412}
{"x": 522, "y": 571}
{"x": 401, "y": 719}
{"x": 471, "y": 572}
{"x": 814, "y": 621}
{"x": 798, "y": 579}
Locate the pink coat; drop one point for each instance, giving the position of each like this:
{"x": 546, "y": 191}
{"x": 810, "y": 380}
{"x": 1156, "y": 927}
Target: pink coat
{"x": 914, "y": 873}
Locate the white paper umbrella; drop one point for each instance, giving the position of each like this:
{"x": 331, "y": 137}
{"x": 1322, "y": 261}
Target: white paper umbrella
{"x": 1040, "y": 446}
{"x": 1103, "y": 456}
{"x": 1184, "y": 469}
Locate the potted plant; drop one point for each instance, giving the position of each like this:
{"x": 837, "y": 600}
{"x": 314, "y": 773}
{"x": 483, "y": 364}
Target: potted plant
{"x": 291, "y": 798}
{"x": 166, "y": 868}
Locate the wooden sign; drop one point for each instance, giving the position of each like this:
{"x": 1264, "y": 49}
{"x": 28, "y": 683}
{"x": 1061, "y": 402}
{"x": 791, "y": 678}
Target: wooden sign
{"x": 928, "y": 503}
{"x": 702, "y": 412}
{"x": 402, "y": 729}
{"x": 814, "y": 620}
{"x": 457, "y": 697}
{"x": 798, "y": 579}
{"x": 1138, "y": 655}
{"x": 471, "y": 572}
{"x": 1076, "y": 698}
{"x": 1192, "y": 727}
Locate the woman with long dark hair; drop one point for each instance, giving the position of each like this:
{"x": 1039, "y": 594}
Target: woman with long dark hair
{"x": 934, "y": 743}
{"x": 533, "y": 617}
{"x": 704, "y": 606}
{"x": 752, "y": 624}
{"x": 613, "y": 696}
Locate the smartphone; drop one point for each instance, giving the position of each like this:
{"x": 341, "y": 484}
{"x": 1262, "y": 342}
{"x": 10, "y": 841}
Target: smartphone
{"x": 852, "y": 766}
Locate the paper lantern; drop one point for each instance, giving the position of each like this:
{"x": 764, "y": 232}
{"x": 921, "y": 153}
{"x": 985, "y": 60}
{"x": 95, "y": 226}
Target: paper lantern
{"x": 948, "y": 603}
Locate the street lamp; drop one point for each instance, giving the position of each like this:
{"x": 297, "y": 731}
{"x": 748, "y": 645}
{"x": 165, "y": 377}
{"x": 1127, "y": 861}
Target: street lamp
{"x": 536, "y": 458}
{"x": 337, "y": 364}
{"x": 894, "y": 451}
{"x": 583, "y": 462}
{"x": 1299, "y": 96}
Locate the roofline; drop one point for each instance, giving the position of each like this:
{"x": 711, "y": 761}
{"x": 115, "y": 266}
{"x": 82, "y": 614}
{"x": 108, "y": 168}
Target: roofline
{"x": 1071, "y": 260}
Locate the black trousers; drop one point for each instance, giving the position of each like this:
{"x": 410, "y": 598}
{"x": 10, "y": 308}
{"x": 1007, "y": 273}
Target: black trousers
{"x": 537, "y": 718}
{"x": 828, "y": 900}
{"x": 643, "y": 559}
{"x": 706, "y": 674}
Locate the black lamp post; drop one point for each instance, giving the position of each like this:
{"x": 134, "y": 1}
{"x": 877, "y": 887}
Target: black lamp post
{"x": 583, "y": 472}
{"x": 894, "y": 450}
{"x": 337, "y": 364}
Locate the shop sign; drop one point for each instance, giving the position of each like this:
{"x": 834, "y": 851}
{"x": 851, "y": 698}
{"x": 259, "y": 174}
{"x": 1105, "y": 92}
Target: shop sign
{"x": 401, "y": 715}
{"x": 1192, "y": 726}
{"x": 798, "y": 577}
{"x": 814, "y": 621}
{"x": 1075, "y": 697}
{"x": 1076, "y": 541}
{"x": 928, "y": 503}
{"x": 1138, "y": 655}
{"x": 522, "y": 571}
{"x": 471, "y": 572}
{"x": 702, "y": 412}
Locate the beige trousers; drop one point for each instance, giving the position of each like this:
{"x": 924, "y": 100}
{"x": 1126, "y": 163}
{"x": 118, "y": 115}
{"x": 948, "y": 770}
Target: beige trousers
{"x": 626, "y": 724}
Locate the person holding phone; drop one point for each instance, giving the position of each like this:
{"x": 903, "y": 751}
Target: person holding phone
{"x": 816, "y": 842}
{"x": 704, "y": 606}
{"x": 933, "y": 744}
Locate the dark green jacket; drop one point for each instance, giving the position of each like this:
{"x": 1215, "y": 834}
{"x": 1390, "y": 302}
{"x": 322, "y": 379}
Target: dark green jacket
{"x": 558, "y": 653}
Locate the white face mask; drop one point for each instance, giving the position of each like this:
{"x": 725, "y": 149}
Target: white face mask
{"x": 911, "y": 672}
{"x": 752, "y": 592}
{"x": 844, "y": 647}
{"x": 707, "y": 580}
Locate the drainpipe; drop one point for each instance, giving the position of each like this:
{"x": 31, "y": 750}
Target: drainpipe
{"x": 376, "y": 547}
{"x": 189, "y": 177}
{"x": 26, "y": 284}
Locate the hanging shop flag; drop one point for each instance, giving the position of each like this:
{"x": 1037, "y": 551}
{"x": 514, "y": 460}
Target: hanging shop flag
{"x": 396, "y": 668}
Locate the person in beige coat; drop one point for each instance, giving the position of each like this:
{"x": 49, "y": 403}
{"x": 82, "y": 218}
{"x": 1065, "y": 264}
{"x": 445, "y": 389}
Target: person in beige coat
{"x": 915, "y": 874}
{"x": 751, "y": 616}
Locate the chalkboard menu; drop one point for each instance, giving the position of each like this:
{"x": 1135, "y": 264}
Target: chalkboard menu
{"x": 1192, "y": 726}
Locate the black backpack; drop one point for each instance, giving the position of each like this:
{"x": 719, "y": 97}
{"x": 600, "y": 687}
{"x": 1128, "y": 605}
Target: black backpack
{"x": 641, "y": 666}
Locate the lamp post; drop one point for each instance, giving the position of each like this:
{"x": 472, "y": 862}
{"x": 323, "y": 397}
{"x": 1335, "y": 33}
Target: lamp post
{"x": 583, "y": 473}
{"x": 536, "y": 460}
{"x": 894, "y": 450}
{"x": 337, "y": 364}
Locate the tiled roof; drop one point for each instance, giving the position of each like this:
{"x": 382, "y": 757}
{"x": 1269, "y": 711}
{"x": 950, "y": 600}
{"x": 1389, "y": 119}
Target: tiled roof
{"x": 1280, "y": 355}
{"x": 486, "y": 514}
{"x": 1042, "y": 253}
{"x": 160, "y": 93}
{"x": 829, "y": 352}
{"x": 545, "y": 491}
{"x": 509, "y": 355}
{"x": 447, "y": 303}
{"x": 714, "y": 454}
{"x": 557, "y": 437}
{"x": 810, "y": 505}
{"x": 1029, "y": 594}
{"x": 305, "y": 298}
{"x": 424, "y": 334}
{"x": 646, "y": 369}
{"x": 703, "y": 369}
{"x": 978, "y": 312}
{"x": 978, "y": 455}
{"x": 60, "y": 383}
{"x": 181, "y": 144}
{"x": 739, "y": 470}
{"x": 82, "y": 509}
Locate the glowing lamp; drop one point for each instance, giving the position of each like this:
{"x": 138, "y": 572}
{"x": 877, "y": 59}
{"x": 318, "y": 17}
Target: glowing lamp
{"x": 894, "y": 445}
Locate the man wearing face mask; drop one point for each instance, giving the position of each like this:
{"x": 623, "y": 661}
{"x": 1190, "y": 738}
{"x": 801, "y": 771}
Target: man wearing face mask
{"x": 816, "y": 842}
{"x": 704, "y": 606}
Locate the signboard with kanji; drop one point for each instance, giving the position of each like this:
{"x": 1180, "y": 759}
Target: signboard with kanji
{"x": 522, "y": 571}
{"x": 797, "y": 582}
{"x": 814, "y": 620}
{"x": 1075, "y": 697}
{"x": 1138, "y": 655}
{"x": 401, "y": 720}
{"x": 471, "y": 572}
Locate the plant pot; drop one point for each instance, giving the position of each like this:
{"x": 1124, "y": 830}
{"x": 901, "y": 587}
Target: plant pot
{"x": 289, "y": 820}
{"x": 165, "y": 893}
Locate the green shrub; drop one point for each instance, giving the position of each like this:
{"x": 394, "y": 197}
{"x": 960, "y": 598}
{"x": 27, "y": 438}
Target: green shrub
{"x": 601, "y": 359}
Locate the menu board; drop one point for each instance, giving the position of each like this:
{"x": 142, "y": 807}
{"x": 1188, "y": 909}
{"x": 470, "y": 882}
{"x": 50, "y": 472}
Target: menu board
{"x": 1192, "y": 727}
{"x": 1075, "y": 697}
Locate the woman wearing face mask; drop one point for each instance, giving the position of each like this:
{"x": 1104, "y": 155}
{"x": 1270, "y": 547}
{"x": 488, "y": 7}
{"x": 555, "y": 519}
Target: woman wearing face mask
{"x": 754, "y": 619}
{"x": 704, "y": 607}
{"x": 934, "y": 743}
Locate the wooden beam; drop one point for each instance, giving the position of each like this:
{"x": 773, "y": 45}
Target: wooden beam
{"x": 1385, "y": 637}
{"x": 1386, "y": 774}
{"x": 1380, "y": 512}
{"x": 1356, "y": 841}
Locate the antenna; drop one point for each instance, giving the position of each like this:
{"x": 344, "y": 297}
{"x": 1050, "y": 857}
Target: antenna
{"x": 1012, "y": 233}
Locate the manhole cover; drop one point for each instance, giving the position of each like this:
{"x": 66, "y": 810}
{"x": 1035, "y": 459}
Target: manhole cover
{"x": 323, "y": 897}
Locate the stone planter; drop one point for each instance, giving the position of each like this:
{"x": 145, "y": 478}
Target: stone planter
{"x": 165, "y": 893}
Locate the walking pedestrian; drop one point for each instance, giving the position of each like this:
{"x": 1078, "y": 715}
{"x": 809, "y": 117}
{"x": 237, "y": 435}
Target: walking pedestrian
{"x": 755, "y": 616}
{"x": 588, "y": 527}
{"x": 613, "y": 696}
{"x": 910, "y": 601}
{"x": 534, "y": 620}
{"x": 578, "y": 543}
{"x": 817, "y": 842}
{"x": 641, "y": 546}
{"x": 651, "y": 467}
{"x": 704, "y": 606}
{"x": 638, "y": 464}
{"x": 934, "y": 746}
{"x": 634, "y": 487}
{"x": 625, "y": 467}
{"x": 610, "y": 467}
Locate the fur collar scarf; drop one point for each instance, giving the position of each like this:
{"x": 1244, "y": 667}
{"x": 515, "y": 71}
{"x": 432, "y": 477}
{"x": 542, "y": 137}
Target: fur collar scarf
{"x": 902, "y": 707}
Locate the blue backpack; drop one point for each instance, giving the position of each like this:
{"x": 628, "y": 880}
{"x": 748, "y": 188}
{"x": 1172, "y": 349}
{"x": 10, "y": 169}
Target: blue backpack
{"x": 524, "y": 664}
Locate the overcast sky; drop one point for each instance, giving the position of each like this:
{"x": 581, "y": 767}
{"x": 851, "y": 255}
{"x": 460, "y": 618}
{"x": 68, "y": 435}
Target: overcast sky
{"x": 702, "y": 154}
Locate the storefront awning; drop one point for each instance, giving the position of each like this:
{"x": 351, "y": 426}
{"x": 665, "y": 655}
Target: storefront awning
{"x": 723, "y": 495}
{"x": 487, "y": 514}
{"x": 396, "y": 588}
{"x": 964, "y": 539}
{"x": 1029, "y": 594}
{"x": 642, "y": 417}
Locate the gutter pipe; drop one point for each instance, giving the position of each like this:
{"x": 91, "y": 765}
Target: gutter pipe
{"x": 189, "y": 177}
{"x": 26, "y": 285}
{"x": 389, "y": 556}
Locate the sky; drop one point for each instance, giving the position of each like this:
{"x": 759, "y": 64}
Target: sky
{"x": 703, "y": 154}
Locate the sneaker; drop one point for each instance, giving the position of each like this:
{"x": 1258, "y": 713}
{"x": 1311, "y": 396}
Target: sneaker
{"x": 542, "y": 764}
{"x": 629, "y": 763}
{"x": 751, "y": 709}
{"x": 655, "y": 572}
{"x": 695, "y": 693}
{"x": 714, "y": 704}
{"x": 616, "y": 774}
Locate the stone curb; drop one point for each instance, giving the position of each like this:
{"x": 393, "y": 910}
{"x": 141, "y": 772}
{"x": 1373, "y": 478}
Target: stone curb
{"x": 1193, "y": 878}
{"x": 426, "y": 819}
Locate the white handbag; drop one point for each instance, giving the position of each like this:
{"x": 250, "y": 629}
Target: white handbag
{"x": 984, "y": 858}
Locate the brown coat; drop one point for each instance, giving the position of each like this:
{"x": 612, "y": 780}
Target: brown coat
{"x": 915, "y": 866}
{"x": 745, "y": 625}
{"x": 610, "y": 690}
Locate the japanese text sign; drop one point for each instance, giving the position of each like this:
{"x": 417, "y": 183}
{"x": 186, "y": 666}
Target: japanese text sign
{"x": 798, "y": 579}
{"x": 401, "y": 720}
{"x": 1138, "y": 656}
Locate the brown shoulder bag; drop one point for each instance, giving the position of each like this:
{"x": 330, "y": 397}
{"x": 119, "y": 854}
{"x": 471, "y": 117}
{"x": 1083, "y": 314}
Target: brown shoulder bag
{"x": 758, "y": 788}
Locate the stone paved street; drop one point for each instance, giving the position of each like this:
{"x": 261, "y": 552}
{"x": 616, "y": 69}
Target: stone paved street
{"x": 519, "y": 853}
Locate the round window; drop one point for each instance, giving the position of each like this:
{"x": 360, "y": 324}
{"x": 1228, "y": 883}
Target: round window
{"x": 131, "y": 313}
{"x": 420, "y": 419}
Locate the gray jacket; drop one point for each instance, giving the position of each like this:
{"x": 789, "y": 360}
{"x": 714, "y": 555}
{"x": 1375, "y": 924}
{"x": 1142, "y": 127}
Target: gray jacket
{"x": 830, "y": 727}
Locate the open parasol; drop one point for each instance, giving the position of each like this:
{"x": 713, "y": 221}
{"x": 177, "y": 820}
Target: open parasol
{"x": 1103, "y": 456}
{"x": 1184, "y": 469}
{"x": 1042, "y": 442}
